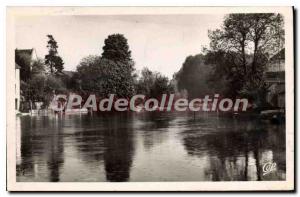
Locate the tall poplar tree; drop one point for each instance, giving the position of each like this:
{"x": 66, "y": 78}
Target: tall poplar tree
{"x": 52, "y": 59}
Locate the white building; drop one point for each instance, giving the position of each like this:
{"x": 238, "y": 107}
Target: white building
{"x": 17, "y": 88}
{"x": 23, "y": 61}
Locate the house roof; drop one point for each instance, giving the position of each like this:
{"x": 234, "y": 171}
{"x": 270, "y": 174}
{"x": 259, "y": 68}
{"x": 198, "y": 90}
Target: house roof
{"x": 24, "y": 52}
{"x": 17, "y": 66}
{"x": 24, "y": 57}
{"x": 279, "y": 56}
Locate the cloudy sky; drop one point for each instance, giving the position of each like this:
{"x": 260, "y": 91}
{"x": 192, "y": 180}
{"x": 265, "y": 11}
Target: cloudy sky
{"x": 159, "y": 42}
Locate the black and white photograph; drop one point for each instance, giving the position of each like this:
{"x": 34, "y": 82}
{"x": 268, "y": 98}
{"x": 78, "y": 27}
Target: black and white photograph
{"x": 150, "y": 99}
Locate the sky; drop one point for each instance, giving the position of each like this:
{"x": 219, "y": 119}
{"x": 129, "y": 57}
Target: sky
{"x": 159, "y": 42}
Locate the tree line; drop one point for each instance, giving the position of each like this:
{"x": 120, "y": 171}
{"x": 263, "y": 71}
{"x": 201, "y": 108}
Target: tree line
{"x": 112, "y": 72}
{"x": 233, "y": 66}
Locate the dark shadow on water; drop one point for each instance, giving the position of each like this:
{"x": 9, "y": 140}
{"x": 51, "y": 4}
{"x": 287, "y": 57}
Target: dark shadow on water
{"x": 109, "y": 141}
{"x": 119, "y": 147}
{"x": 237, "y": 149}
{"x": 41, "y": 147}
{"x": 154, "y": 127}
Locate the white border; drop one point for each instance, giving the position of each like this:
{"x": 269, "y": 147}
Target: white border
{"x": 12, "y": 185}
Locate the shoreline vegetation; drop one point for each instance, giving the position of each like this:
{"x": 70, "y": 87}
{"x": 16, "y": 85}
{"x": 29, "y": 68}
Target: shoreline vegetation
{"x": 137, "y": 103}
{"x": 234, "y": 66}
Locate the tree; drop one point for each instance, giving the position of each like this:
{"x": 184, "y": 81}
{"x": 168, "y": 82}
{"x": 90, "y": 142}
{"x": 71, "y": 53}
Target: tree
{"x": 267, "y": 36}
{"x": 112, "y": 73}
{"x": 161, "y": 86}
{"x": 233, "y": 37}
{"x": 52, "y": 59}
{"x": 193, "y": 76}
{"x": 153, "y": 84}
{"x": 41, "y": 87}
{"x": 245, "y": 42}
{"x": 145, "y": 82}
{"x": 38, "y": 68}
{"x": 32, "y": 90}
{"x": 53, "y": 85}
{"x": 116, "y": 48}
{"x": 225, "y": 76}
{"x": 103, "y": 77}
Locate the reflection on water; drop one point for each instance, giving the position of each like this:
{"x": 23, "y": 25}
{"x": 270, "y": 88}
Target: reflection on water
{"x": 147, "y": 147}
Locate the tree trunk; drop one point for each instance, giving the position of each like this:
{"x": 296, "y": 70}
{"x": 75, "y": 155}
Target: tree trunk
{"x": 244, "y": 57}
{"x": 254, "y": 57}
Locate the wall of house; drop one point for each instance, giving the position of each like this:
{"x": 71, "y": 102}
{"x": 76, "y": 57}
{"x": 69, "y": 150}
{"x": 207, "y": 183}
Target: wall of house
{"x": 17, "y": 89}
{"x": 275, "y": 66}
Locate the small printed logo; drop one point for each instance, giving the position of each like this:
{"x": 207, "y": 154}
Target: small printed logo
{"x": 268, "y": 168}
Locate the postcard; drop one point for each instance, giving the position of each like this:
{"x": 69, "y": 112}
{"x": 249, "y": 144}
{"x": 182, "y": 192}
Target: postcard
{"x": 150, "y": 99}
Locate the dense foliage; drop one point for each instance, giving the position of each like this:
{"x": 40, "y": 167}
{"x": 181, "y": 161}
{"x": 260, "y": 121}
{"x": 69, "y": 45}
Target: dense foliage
{"x": 103, "y": 77}
{"x": 116, "y": 48}
{"x": 153, "y": 84}
{"x": 240, "y": 50}
{"x": 193, "y": 77}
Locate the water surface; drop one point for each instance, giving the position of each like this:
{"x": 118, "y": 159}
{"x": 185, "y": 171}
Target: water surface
{"x": 147, "y": 147}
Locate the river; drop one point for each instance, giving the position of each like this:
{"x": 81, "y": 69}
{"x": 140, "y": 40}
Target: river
{"x": 150, "y": 146}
